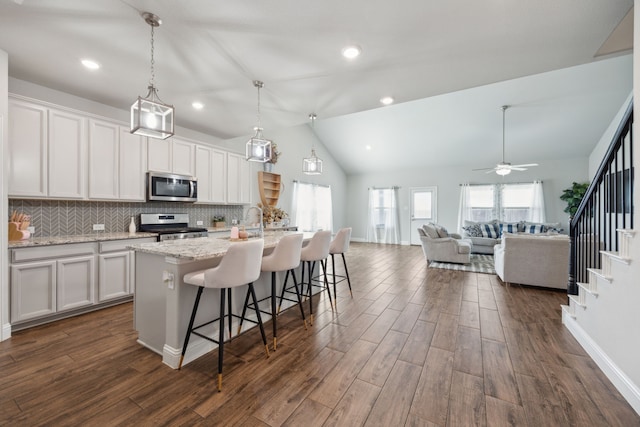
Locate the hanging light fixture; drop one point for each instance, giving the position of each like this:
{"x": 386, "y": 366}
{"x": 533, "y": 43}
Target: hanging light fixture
{"x": 149, "y": 115}
{"x": 258, "y": 148}
{"x": 312, "y": 165}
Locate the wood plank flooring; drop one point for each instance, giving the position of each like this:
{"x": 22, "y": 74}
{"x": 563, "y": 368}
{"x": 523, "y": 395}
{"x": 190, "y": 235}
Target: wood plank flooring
{"x": 413, "y": 347}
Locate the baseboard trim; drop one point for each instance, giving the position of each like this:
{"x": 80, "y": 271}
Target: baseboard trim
{"x": 620, "y": 380}
{"x": 5, "y": 334}
{"x": 358, "y": 240}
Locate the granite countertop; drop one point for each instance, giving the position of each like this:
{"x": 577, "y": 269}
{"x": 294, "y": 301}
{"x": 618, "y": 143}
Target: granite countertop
{"x": 205, "y": 247}
{"x": 80, "y": 238}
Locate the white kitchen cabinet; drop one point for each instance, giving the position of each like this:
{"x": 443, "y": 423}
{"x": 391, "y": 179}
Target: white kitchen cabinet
{"x": 183, "y": 157}
{"x": 33, "y": 290}
{"x": 75, "y": 282}
{"x": 103, "y": 160}
{"x": 133, "y": 165}
{"x": 159, "y": 155}
{"x": 114, "y": 278}
{"x": 211, "y": 171}
{"x": 27, "y": 151}
{"x": 238, "y": 179}
{"x": 67, "y": 155}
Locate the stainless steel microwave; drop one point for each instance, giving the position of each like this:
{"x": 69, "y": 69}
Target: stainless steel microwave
{"x": 170, "y": 187}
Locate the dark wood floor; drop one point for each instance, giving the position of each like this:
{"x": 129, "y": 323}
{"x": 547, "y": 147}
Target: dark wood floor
{"x": 414, "y": 347}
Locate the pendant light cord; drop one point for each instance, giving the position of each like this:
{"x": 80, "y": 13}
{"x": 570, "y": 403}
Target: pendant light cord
{"x": 504, "y": 110}
{"x": 153, "y": 73}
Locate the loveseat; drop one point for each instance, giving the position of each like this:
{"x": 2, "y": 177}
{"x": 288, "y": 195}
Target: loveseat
{"x": 533, "y": 259}
{"x": 440, "y": 245}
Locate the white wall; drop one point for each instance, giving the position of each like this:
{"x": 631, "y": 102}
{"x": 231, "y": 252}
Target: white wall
{"x": 294, "y": 144}
{"x": 556, "y": 176}
{"x": 5, "y": 329}
{"x": 598, "y": 153}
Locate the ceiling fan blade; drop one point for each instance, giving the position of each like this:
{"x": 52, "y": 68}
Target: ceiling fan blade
{"x": 483, "y": 169}
{"x": 514, "y": 168}
{"x": 491, "y": 170}
{"x": 528, "y": 165}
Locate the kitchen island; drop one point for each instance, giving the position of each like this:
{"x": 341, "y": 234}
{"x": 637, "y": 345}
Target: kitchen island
{"x": 163, "y": 302}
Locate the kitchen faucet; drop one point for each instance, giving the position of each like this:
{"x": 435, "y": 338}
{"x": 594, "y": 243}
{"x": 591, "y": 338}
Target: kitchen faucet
{"x": 261, "y": 232}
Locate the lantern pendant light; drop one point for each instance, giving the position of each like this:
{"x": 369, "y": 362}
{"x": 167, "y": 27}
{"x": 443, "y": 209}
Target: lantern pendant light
{"x": 149, "y": 115}
{"x": 258, "y": 148}
{"x": 312, "y": 165}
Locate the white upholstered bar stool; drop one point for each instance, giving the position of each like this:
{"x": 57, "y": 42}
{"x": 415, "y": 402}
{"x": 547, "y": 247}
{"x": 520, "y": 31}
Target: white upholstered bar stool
{"x": 239, "y": 266}
{"x": 285, "y": 257}
{"x": 316, "y": 251}
{"x": 340, "y": 245}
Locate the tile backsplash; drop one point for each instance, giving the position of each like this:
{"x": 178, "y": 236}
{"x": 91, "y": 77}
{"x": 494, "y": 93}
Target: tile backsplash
{"x": 71, "y": 217}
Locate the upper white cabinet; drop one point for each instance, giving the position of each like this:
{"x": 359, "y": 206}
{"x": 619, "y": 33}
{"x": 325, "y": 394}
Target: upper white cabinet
{"x": 159, "y": 155}
{"x": 28, "y": 169}
{"x": 67, "y": 155}
{"x": 238, "y": 179}
{"x": 117, "y": 162}
{"x": 183, "y": 161}
{"x": 211, "y": 171}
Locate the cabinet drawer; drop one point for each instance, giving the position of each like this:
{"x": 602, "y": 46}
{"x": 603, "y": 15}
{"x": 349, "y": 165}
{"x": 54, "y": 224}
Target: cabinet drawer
{"x": 121, "y": 245}
{"x": 54, "y": 251}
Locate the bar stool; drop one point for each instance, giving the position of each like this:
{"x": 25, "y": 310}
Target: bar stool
{"x": 239, "y": 266}
{"x": 316, "y": 251}
{"x": 285, "y": 257}
{"x": 340, "y": 245}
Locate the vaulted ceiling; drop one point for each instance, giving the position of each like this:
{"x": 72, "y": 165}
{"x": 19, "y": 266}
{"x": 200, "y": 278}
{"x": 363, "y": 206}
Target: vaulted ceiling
{"x": 448, "y": 65}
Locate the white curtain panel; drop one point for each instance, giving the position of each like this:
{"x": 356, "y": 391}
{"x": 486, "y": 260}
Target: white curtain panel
{"x": 464, "y": 209}
{"x": 312, "y": 208}
{"x": 383, "y": 224}
{"x": 537, "y": 211}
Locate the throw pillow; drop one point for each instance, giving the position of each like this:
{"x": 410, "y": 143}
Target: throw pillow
{"x": 473, "y": 230}
{"x": 533, "y": 228}
{"x": 508, "y": 227}
{"x": 490, "y": 230}
{"x": 431, "y": 231}
{"x": 442, "y": 232}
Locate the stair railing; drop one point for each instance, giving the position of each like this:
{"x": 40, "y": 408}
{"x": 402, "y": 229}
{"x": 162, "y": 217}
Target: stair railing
{"x": 606, "y": 206}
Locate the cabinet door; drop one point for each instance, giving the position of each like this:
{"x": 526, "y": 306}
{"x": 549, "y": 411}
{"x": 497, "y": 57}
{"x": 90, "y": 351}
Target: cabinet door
{"x": 183, "y": 157}
{"x": 27, "y": 150}
{"x": 204, "y": 170}
{"x": 218, "y": 176}
{"x": 75, "y": 282}
{"x": 234, "y": 181}
{"x": 113, "y": 276}
{"x": 33, "y": 290}
{"x": 67, "y": 155}
{"x": 133, "y": 165}
{"x": 159, "y": 155}
{"x": 103, "y": 160}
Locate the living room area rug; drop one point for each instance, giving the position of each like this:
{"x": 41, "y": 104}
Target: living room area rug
{"x": 480, "y": 263}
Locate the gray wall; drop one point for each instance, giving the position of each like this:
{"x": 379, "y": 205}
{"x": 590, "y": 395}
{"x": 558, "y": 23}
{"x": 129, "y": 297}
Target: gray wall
{"x": 556, "y": 176}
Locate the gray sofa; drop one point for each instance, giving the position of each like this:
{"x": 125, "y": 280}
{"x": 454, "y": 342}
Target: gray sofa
{"x": 439, "y": 245}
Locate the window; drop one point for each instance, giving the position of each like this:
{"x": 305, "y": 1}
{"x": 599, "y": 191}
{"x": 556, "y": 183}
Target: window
{"x": 504, "y": 202}
{"x": 383, "y": 216}
{"x": 312, "y": 208}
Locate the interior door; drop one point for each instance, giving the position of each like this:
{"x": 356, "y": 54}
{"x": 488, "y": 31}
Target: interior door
{"x": 423, "y": 210}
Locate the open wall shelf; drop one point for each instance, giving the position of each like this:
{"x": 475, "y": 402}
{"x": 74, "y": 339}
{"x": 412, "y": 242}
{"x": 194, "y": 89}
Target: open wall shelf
{"x": 269, "y": 185}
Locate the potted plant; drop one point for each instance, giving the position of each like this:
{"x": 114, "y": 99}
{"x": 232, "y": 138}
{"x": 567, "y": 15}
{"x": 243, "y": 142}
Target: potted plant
{"x": 573, "y": 196}
{"x": 219, "y": 221}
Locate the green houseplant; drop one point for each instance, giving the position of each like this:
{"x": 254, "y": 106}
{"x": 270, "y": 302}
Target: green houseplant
{"x": 219, "y": 221}
{"x": 573, "y": 196}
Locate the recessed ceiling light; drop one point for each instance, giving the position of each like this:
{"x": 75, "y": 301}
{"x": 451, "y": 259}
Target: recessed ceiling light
{"x": 368, "y": 147}
{"x": 197, "y": 105}
{"x": 387, "y": 100}
{"x": 90, "y": 64}
{"x": 351, "y": 52}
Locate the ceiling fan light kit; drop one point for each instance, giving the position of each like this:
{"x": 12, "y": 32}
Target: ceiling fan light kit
{"x": 504, "y": 168}
{"x": 149, "y": 115}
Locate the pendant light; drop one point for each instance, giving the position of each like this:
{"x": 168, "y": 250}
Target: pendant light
{"x": 312, "y": 165}
{"x": 258, "y": 148}
{"x": 149, "y": 115}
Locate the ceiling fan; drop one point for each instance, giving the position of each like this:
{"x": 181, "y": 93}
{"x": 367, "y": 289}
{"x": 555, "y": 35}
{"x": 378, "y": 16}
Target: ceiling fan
{"x": 505, "y": 168}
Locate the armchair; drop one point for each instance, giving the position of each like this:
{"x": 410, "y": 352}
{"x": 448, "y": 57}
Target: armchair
{"x": 438, "y": 245}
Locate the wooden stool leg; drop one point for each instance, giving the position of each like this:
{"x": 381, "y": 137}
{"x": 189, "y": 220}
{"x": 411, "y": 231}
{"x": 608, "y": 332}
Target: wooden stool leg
{"x": 193, "y": 318}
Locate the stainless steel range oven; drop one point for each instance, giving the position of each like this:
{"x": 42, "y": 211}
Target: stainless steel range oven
{"x": 170, "y": 226}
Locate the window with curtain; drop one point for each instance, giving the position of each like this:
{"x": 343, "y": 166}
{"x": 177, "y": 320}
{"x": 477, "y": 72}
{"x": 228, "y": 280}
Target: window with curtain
{"x": 383, "y": 224}
{"x": 504, "y": 202}
{"x": 312, "y": 209}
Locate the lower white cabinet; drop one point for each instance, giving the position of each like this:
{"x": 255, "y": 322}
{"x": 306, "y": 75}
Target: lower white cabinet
{"x": 48, "y": 280}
